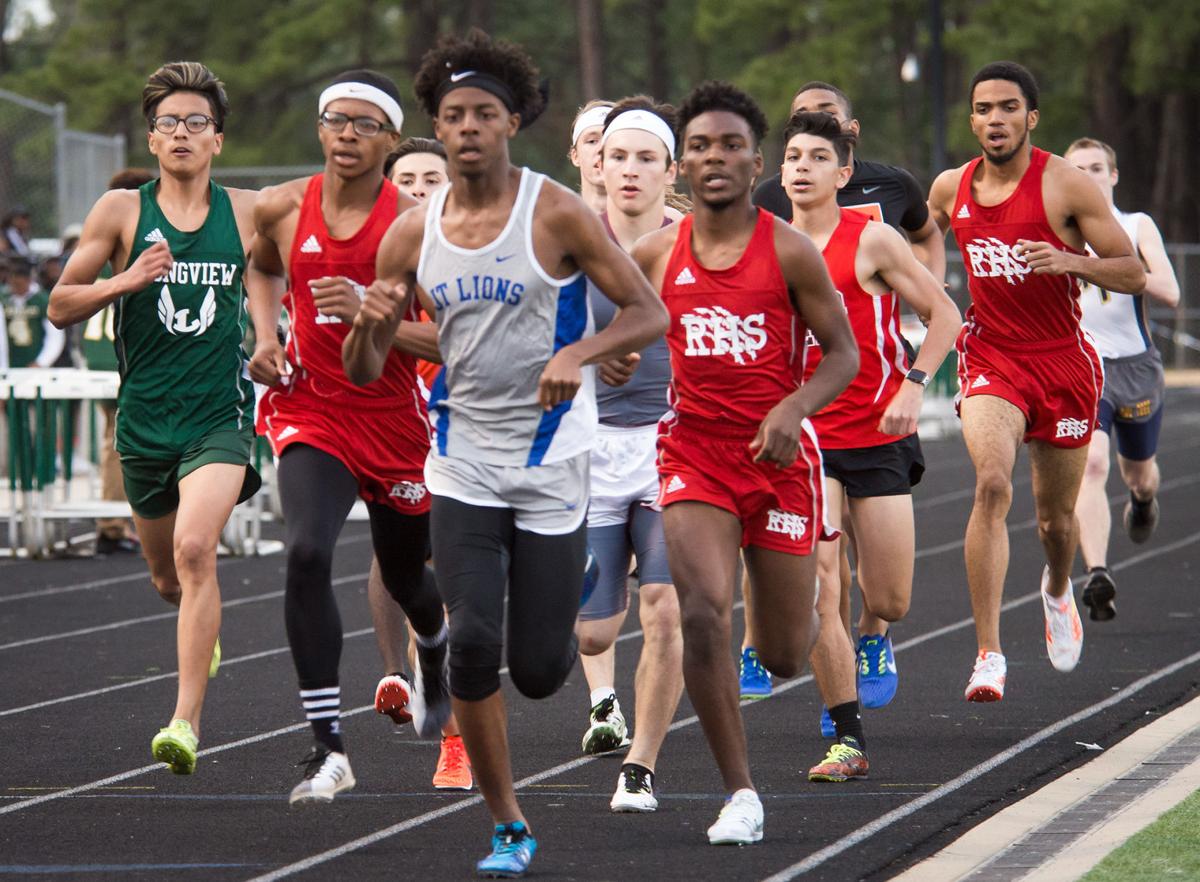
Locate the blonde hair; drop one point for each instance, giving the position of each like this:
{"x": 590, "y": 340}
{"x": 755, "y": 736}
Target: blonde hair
{"x": 677, "y": 200}
{"x": 1095, "y": 144}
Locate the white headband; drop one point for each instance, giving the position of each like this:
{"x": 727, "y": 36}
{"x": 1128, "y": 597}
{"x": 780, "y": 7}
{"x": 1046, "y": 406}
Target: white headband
{"x": 643, "y": 121}
{"x": 363, "y": 92}
{"x": 589, "y": 119}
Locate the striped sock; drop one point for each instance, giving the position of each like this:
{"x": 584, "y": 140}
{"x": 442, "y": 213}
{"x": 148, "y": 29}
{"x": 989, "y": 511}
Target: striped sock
{"x": 322, "y": 707}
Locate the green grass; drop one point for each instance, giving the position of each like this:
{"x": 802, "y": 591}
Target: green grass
{"x": 1169, "y": 849}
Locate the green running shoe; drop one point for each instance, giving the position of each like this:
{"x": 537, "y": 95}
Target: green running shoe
{"x": 215, "y": 664}
{"x": 176, "y": 746}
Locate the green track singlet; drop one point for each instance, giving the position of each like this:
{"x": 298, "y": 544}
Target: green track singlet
{"x": 184, "y": 373}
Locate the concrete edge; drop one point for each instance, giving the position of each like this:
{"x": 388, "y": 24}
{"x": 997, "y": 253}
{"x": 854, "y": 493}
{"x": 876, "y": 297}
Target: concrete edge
{"x": 982, "y": 843}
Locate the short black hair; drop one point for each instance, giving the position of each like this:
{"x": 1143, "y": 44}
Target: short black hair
{"x": 821, "y": 125}
{"x": 477, "y": 51}
{"x": 382, "y": 82}
{"x": 718, "y": 95}
{"x": 410, "y": 146}
{"x": 842, "y": 97}
{"x": 1014, "y": 73}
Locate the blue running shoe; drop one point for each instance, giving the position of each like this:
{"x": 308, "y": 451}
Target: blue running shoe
{"x": 591, "y": 576}
{"x": 828, "y": 730}
{"x": 754, "y": 681}
{"x": 877, "y": 678}
{"x": 512, "y": 850}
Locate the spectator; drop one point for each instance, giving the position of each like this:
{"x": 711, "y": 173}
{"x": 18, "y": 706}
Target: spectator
{"x": 15, "y": 229}
{"x": 32, "y": 340}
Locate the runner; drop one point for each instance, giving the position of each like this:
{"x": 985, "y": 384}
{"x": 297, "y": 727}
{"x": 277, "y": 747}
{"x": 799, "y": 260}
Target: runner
{"x": 178, "y": 248}
{"x": 335, "y": 441}
{"x": 498, "y": 257}
{"x": 586, "y": 131}
{"x": 892, "y": 195}
{"x": 637, "y": 159}
{"x": 738, "y": 460}
{"x": 1133, "y": 388}
{"x": 869, "y": 446}
{"x": 1022, "y": 218}
{"x": 417, "y": 167}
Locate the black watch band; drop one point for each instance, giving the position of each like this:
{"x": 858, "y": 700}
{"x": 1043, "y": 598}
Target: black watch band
{"x": 917, "y": 376}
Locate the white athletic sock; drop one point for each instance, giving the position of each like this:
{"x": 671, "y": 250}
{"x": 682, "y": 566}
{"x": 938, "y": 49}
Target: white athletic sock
{"x": 602, "y": 692}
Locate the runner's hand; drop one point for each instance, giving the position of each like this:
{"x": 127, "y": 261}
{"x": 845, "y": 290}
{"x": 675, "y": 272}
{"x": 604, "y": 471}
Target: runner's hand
{"x": 619, "y": 371}
{"x": 560, "y": 380}
{"x": 1044, "y": 259}
{"x": 155, "y": 261}
{"x": 269, "y": 363}
{"x": 336, "y": 296}
{"x": 778, "y": 438}
{"x": 903, "y": 410}
{"x": 381, "y": 304}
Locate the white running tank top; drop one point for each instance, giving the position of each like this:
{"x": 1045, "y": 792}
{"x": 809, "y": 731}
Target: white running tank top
{"x": 500, "y": 318}
{"x": 1116, "y": 322}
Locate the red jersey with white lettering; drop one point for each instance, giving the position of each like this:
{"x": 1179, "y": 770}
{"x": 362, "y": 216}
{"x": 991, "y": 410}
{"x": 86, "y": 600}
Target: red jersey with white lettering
{"x": 1009, "y": 302}
{"x": 735, "y": 336}
{"x": 851, "y": 420}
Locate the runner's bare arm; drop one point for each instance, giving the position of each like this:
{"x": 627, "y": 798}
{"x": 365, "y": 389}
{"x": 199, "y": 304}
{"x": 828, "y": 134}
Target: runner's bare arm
{"x": 941, "y": 203}
{"x": 78, "y": 296}
{"x": 884, "y": 255}
{"x": 641, "y": 319}
{"x": 1161, "y": 284}
{"x": 928, "y": 245}
{"x": 817, "y": 302}
{"x": 419, "y": 339}
{"x": 266, "y": 281}
{"x": 365, "y": 350}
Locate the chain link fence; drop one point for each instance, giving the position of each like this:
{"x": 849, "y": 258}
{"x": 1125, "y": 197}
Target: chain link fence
{"x": 255, "y": 177}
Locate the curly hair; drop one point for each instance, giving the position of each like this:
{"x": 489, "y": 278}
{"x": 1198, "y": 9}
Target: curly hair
{"x": 717, "y": 95}
{"x": 477, "y": 51}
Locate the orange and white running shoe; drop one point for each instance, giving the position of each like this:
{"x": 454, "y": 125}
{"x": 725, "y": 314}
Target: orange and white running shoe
{"x": 454, "y": 766}
{"x": 392, "y": 696}
{"x": 987, "y": 680}
{"x": 1064, "y": 628}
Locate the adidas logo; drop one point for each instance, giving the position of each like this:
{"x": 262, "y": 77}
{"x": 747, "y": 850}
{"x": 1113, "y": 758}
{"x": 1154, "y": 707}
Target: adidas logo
{"x": 981, "y": 380}
{"x": 685, "y": 277}
{"x": 311, "y": 245}
{"x": 288, "y": 432}
{"x": 676, "y": 482}
{"x": 155, "y": 235}
{"x": 963, "y": 212}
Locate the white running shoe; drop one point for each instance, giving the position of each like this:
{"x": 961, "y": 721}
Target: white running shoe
{"x": 635, "y": 791}
{"x": 987, "y": 680}
{"x": 607, "y": 730}
{"x": 1064, "y": 628}
{"x": 429, "y": 703}
{"x": 740, "y": 821}
{"x": 326, "y": 774}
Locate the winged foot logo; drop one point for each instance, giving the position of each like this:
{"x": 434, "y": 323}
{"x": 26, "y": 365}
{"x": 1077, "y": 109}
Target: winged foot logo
{"x": 179, "y": 321}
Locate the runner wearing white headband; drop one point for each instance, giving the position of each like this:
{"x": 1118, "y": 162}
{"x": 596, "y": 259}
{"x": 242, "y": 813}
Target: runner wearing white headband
{"x": 374, "y": 90}
{"x": 585, "y": 151}
{"x": 644, "y": 121}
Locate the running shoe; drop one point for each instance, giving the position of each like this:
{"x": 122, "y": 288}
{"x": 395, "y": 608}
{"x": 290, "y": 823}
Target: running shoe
{"x": 740, "y": 821}
{"x": 877, "y": 679}
{"x": 1140, "y": 518}
{"x": 846, "y": 759}
{"x": 635, "y": 790}
{"x": 454, "y": 766}
{"x": 106, "y": 545}
{"x": 828, "y": 730}
{"x": 987, "y": 680}
{"x": 214, "y": 664}
{"x": 176, "y": 746}
{"x": 429, "y": 703}
{"x": 512, "y": 849}
{"x": 754, "y": 681}
{"x": 1064, "y": 630}
{"x": 392, "y": 696}
{"x": 591, "y": 576}
{"x": 607, "y": 730}
{"x": 1099, "y": 594}
{"x": 326, "y": 774}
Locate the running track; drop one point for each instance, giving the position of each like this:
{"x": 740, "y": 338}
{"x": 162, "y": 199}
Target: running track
{"x": 86, "y": 678}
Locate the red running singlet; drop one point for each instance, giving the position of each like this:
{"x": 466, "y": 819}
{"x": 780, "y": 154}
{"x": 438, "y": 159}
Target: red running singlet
{"x": 1009, "y": 303}
{"x": 735, "y": 336}
{"x": 852, "y": 419}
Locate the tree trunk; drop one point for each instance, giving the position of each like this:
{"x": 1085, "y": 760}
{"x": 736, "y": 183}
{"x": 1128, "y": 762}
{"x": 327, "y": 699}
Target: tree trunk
{"x": 479, "y": 14}
{"x": 421, "y": 31}
{"x": 591, "y": 48}
{"x": 659, "y": 80}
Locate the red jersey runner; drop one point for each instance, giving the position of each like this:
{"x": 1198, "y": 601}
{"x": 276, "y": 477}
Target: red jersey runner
{"x": 735, "y": 340}
{"x": 852, "y": 419}
{"x": 380, "y": 431}
{"x": 1021, "y": 340}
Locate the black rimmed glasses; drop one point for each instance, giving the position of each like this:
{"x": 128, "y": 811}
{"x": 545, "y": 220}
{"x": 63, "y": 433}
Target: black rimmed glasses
{"x": 366, "y": 126}
{"x": 193, "y": 122}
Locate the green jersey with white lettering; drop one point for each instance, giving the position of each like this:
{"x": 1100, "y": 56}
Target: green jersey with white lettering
{"x": 184, "y": 373}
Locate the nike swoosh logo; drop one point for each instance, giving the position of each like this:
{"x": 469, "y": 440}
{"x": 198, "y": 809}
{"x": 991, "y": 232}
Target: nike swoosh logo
{"x": 867, "y": 190}
{"x": 463, "y": 74}
{"x": 500, "y": 259}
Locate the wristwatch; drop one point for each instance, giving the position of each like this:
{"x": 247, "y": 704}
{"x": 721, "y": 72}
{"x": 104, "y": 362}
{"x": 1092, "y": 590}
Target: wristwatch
{"x": 917, "y": 376}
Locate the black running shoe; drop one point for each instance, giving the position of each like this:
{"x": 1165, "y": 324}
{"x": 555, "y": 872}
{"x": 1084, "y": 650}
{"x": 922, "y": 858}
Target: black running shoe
{"x": 1141, "y": 518}
{"x": 430, "y": 701}
{"x": 1098, "y": 595}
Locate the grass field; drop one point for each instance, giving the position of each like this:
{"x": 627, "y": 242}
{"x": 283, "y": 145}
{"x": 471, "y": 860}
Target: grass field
{"x": 1167, "y": 849}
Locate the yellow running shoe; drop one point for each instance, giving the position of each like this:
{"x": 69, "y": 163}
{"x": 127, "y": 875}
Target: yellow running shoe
{"x": 215, "y": 664}
{"x": 176, "y": 746}
{"x": 846, "y": 759}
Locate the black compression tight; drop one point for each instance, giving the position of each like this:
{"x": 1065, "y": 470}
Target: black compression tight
{"x": 317, "y": 492}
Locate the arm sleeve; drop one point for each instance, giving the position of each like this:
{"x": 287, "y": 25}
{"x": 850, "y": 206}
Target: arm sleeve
{"x": 52, "y": 344}
{"x": 916, "y": 211}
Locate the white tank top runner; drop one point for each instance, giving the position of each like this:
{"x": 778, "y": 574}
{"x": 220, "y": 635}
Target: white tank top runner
{"x": 1116, "y": 322}
{"x": 500, "y": 318}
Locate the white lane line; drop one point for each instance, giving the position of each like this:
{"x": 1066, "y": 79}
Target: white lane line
{"x": 157, "y": 617}
{"x": 884, "y": 821}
